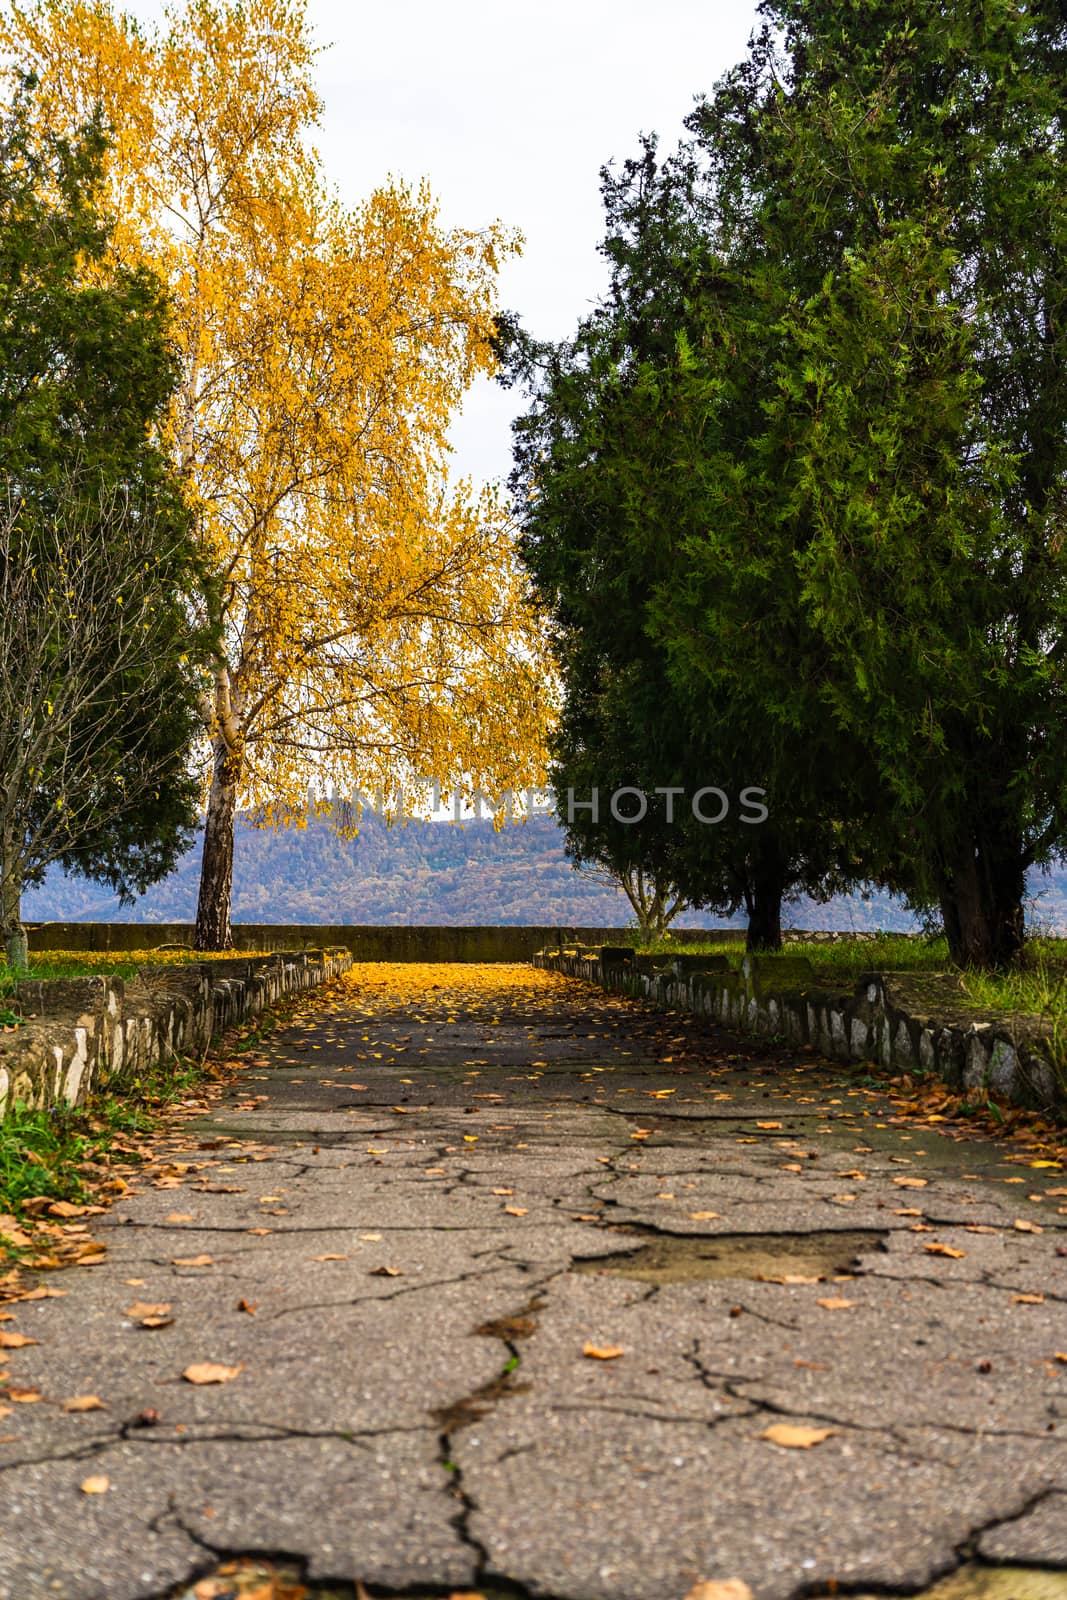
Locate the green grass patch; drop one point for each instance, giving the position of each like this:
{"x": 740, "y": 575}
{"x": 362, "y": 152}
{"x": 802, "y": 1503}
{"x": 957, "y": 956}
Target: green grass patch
{"x": 1036, "y": 985}
{"x": 63, "y": 1151}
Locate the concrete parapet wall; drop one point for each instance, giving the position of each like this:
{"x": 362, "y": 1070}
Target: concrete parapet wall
{"x": 385, "y": 943}
{"x": 880, "y": 1022}
{"x": 81, "y": 1034}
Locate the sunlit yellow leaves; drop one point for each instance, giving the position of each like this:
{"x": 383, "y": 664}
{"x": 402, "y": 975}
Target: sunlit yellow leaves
{"x": 375, "y": 619}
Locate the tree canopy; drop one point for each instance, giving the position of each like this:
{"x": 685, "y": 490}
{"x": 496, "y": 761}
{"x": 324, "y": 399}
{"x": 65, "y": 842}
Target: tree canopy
{"x": 818, "y": 469}
{"x": 373, "y": 620}
{"x": 102, "y": 654}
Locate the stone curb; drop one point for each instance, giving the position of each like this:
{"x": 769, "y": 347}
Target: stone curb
{"x": 780, "y": 997}
{"x": 86, "y": 1033}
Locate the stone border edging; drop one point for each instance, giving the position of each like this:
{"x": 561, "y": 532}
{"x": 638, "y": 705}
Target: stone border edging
{"x": 82, "y": 1033}
{"x": 780, "y": 996}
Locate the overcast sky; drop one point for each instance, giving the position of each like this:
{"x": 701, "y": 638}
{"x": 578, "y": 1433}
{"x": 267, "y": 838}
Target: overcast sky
{"x": 510, "y": 110}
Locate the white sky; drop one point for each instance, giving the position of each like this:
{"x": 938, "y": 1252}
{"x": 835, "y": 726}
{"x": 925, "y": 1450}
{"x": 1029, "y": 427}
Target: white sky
{"x": 510, "y": 110}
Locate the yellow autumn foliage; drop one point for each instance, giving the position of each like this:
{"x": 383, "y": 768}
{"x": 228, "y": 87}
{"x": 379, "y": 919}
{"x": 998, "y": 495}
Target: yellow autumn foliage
{"x": 375, "y": 619}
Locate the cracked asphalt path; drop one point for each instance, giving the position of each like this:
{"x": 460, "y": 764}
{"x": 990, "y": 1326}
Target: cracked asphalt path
{"x": 404, "y": 1224}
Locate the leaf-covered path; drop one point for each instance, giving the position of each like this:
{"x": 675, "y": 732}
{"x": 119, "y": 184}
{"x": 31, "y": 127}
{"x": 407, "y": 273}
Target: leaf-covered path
{"x": 480, "y": 1280}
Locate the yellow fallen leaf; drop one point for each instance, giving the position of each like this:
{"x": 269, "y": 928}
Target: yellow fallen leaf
{"x": 24, "y": 1397}
{"x": 178, "y": 1216}
{"x": 386, "y": 1272}
{"x": 704, "y": 1216}
{"x": 194, "y": 1261}
{"x": 1016, "y": 1300}
{"x": 156, "y": 1322}
{"x": 516, "y": 1211}
{"x": 602, "y": 1352}
{"x": 260, "y": 1233}
{"x": 910, "y": 1183}
{"x": 15, "y": 1341}
{"x": 211, "y": 1372}
{"x": 835, "y": 1303}
{"x": 944, "y": 1250}
{"x": 790, "y": 1166}
{"x": 720, "y": 1589}
{"x": 1059, "y": 1355}
{"x": 1021, "y": 1225}
{"x": 143, "y": 1308}
{"x": 330, "y": 1256}
{"x": 791, "y": 1437}
{"x": 503, "y": 1191}
{"x": 768, "y": 1124}
{"x": 84, "y": 1402}
{"x": 96, "y": 1485}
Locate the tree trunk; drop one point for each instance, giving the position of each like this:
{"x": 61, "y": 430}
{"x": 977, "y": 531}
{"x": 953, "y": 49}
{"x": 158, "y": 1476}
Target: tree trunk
{"x": 981, "y": 894}
{"x": 216, "y": 869}
{"x": 764, "y": 901}
{"x": 15, "y": 942}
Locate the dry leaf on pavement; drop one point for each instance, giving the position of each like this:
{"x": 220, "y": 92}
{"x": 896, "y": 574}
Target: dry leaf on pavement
{"x": 720, "y": 1589}
{"x": 84, "y": 1402}
{"x": 601, "y": 1352}
{"x": 211, "y": 1372}
{"x": 15, "y": 1341}
{"x": 944, "y": 1250}
{"x": 835, "y": 1303}
{"x": 96, "y": 1485}
{"x": 795, "y": 1438}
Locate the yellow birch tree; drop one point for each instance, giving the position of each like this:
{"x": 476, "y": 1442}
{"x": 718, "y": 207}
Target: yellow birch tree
{"x": 376, "y": 622}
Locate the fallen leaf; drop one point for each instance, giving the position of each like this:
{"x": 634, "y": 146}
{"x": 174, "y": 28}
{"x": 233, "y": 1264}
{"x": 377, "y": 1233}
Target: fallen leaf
{"x": 84, "y": 1402}
{"x": 1021, "y": 1225}
{"x": 43, "y": 1293}
{"x": 248, "y": 1305}
{"x": 910, "y": 1183}
{"x": 835, "y": 1303}
{"x": 97, "y": 1485}
{"x": 768, "y": 1124}
{"x": 602, "y": 1352}
{"x": 1059, "y": 1355}
{"x": 211, "y": 1372}
{"x": 143, "y": 1308}
{"x": 155, "y": 1322}
{"x": 260, "y": 1232}
{"x": 386, "y": 1272}
{"x": 66, "y": 1208}
{"x": 1017, "y": 1300}
{"x": 792, "y": 1437}
{"x": 192, "y": 1261}
{"x": 704, "y": 1216}
{"x": 720, "y": 1589}
{"x": 178, "y": 1216}
{"x": 15, "y": 1341}
{"x": 516, "y": 1211}
{"x": 979, "y": 1227}
{"x": 944, "y": 1250}
{"x": 503, "y": 1191}
{"x": 24, "y": 1397}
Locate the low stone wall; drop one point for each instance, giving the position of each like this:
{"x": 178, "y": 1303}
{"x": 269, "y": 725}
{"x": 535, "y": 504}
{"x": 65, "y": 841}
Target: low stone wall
{"x": 903, "y": 1022}
{"x": 81, "y": 1034}
{"x": 385, "y": 943}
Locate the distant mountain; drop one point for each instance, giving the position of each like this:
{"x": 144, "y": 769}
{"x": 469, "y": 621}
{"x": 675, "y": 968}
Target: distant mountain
{"x": 432, "y": 873}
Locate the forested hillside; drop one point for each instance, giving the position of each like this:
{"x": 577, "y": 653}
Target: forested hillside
{"x": 424, "y": 872}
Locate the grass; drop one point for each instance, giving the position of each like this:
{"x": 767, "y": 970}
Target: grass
{"x": 53, "y": 964}
{"x": 61, "y": 1151}
{"x": 1036, "y": 985}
